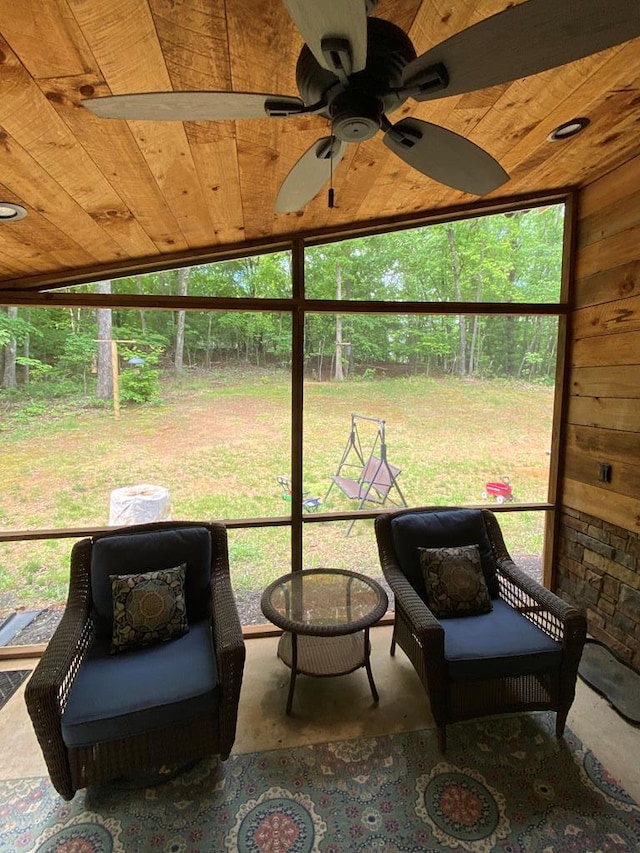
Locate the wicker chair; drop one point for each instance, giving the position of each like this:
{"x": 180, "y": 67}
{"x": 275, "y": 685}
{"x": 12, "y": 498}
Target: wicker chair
{"x": 521, "y": 656}
{"x": 100, "y": 716}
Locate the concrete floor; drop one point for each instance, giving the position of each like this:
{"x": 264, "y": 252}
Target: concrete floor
{"x": 339, "y": 708}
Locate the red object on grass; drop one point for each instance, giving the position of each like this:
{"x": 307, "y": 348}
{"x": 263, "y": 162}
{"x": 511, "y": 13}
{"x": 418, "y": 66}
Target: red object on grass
{"x": 501, "y": 490}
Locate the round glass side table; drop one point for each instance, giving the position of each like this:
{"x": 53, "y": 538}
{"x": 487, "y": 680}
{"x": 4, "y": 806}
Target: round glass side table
{"x": 325, "y": 615}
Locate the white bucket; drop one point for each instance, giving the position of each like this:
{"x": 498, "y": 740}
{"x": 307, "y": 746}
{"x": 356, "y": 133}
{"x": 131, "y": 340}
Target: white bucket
{"x": 138, "y": 505}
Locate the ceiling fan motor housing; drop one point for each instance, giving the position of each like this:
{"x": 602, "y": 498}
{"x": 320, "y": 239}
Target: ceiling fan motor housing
{"x": 356, "y": 107}
{"x": 355, "y": 116}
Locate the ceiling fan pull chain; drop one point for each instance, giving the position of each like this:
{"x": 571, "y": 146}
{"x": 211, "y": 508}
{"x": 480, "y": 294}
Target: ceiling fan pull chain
{"x": 331, "y": 198}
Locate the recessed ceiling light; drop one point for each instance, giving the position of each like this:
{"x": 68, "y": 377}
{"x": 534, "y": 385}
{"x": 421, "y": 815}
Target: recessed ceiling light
{"x": 568, "y": 129}
{"x": 10, "y": 212}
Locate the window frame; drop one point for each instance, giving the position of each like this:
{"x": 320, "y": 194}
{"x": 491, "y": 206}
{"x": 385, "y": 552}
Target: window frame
{"x": 48, "y": 294}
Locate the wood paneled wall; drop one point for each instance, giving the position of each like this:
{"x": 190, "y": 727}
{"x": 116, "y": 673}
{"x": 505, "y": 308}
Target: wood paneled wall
{"x": 603, "y": 413}
{"x": 598, "y": 546}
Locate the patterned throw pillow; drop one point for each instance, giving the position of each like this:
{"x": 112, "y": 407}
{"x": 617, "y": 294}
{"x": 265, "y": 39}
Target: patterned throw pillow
{"x": 454, "y": 581}
{"x": 148, "y": 608}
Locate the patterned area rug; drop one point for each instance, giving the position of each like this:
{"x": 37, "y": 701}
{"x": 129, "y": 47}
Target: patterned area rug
{"x": 505, "y": 785}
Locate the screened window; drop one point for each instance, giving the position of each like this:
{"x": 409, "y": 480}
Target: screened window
{"x": 258, "y": 390}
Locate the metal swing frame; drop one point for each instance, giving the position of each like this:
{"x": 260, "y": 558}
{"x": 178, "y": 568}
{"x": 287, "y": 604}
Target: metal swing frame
{"x": 375, "y": 477}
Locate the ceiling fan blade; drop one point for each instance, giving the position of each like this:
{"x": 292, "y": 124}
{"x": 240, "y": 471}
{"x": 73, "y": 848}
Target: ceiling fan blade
{"x": 523, "y": 40}
{"x": 335, "y": 20}
{"x": 445, "y": 156}
{"x": 310, "y": 174}
{"x": 193, "y": 106}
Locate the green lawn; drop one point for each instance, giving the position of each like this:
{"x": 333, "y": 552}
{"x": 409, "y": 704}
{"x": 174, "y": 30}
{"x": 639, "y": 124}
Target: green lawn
{"x": 218, "y": 441}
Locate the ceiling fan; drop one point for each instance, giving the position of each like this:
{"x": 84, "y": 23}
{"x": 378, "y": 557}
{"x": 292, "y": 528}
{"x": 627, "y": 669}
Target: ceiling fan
{"x": 355, "y": 70}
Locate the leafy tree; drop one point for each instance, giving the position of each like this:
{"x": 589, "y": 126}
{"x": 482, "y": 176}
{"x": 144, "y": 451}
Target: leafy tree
{"x": 14, "y": 330}
{"x": 511, "y": 258}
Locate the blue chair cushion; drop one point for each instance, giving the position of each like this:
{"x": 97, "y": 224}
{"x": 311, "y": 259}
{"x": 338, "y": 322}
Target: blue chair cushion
{"x": 133, "y": 553}
{"x": 496, "y": 644}
{"x": 441, "y": 529}
{"x": 118, "y": 696}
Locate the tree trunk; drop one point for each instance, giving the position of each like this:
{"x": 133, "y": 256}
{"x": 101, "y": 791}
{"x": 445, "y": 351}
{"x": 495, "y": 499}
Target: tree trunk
{"x": 183, "y": 289}
{"x": 139, "y": 291}
{"x": 10, "y": 353}
{"x": 338, "y": 374}
{"x": 26, "y": 351}
{"x": 207, "y": 352}
{"x": 475, "y": 326}
{"x": 104, "y": 390}
{"x": 462, "y": 320}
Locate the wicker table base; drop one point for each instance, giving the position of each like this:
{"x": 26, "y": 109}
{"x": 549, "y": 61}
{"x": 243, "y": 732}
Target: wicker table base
{"x": 325, "y": 615}
{"x": 323, "y": 657}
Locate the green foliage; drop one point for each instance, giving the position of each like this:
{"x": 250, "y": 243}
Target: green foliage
{"x": 34, "y": 409}
{"x": 78, "y": 351}
{"x": 139, "y": 381}
{"x": 139, "y": 385}
{"x": 17, "y": 329}
{"x": 38, "y": 370}
{"x": 512, "y": 258}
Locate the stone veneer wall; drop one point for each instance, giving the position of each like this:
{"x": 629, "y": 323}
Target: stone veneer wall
{"x": 599, "y": 570}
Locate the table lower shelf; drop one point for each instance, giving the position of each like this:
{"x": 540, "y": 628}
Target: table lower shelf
{"x": 325, "y": 656}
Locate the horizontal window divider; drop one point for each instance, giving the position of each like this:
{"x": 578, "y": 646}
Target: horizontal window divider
{"x": 263, "y": 521}
{"x": 275, "y": 521}
{"x": 136, "y": 300}
{"x": 354, "y": 515}
{"x": 80, "y": 532}
{"x": 343, "y": 306}
{"x": 284, "y": 305}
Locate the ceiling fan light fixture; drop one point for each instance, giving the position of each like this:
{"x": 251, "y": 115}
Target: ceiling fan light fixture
{"x": 10, "y": 212}
{"x": 568, "y": 129}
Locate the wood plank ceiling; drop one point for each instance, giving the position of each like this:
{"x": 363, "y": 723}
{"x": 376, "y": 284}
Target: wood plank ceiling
{"x": 101, "y": 194}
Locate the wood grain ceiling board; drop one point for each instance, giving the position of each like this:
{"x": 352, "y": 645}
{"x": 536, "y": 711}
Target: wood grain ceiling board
{"x": 193, "y": 38}
{"x": 46, "y": 37}
{"x": 114, "y": 151}
{"x": 123, "y": 38}
{"x": 110, "y": 192}
{"x": 194, "y": 41}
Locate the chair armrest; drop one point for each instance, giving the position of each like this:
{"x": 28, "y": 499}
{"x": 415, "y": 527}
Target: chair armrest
{"x": 424, "y": 642}
{"x": 556, "y": 617}
{"x": 227, "y": 630}
{"x": 48, "y": 688}
{"x": 548, "y": 611}
{"x": 228, "y": 642}
{"x": 53, "y": 676}
{"x": 408, "y": 600}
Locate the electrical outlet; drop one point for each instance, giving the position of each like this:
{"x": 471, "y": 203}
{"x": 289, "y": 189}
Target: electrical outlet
{"x": 605, "y": 472}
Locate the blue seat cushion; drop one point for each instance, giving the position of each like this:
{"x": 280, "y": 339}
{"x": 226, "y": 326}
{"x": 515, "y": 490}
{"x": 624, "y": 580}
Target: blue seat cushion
{"x": 118, "y": 696}
{"x": 497, "y": 644}
{"x": 134, "y": 553}
{"x": 441, "y": 529}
